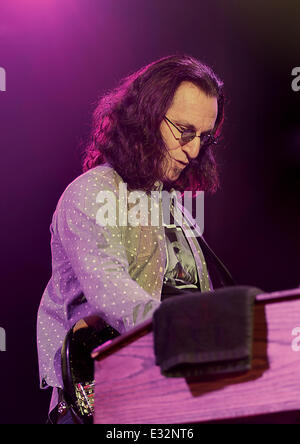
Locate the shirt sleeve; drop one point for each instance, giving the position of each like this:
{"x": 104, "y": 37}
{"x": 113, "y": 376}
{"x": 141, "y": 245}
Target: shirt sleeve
{"x": 98, "y": 257}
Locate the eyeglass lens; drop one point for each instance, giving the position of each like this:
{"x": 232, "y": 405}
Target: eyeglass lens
{"x": 189, "y": 135}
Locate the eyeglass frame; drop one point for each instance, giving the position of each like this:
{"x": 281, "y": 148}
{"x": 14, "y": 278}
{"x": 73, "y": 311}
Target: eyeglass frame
{"x": 214, "y": 140}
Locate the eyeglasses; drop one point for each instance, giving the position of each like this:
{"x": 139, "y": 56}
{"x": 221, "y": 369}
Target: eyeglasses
{"x": 188, "y": 135}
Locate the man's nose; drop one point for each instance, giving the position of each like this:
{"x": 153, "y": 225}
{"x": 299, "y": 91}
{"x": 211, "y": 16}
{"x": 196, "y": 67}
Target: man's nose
{"x": 192, "y": 148}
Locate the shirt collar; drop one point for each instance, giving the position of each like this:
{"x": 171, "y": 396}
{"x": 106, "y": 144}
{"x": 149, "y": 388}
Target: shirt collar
{"x": 158, "y": 185}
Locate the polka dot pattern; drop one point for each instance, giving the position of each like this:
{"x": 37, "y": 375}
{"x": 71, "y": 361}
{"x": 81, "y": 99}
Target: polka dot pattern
{"x": 115, "y": 272}
{"x": 93, "y": 271}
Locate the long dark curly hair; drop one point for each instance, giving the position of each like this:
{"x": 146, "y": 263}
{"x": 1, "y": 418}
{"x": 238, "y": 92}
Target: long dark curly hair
{"x": 126, "y": 125}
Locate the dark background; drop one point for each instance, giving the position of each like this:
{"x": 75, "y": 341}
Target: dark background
{"x": 59, "y": 55}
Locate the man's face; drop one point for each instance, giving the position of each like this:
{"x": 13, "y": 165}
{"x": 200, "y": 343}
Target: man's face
{"x": 191, "y": 108}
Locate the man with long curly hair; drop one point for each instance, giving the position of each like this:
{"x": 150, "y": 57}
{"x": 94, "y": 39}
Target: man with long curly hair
{"x": 155, "y": 132}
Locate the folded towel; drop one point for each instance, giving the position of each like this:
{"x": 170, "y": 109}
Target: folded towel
{"x": 205, "y": 333}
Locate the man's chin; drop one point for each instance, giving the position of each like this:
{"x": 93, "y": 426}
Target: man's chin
{"x": 174, "y": 176}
